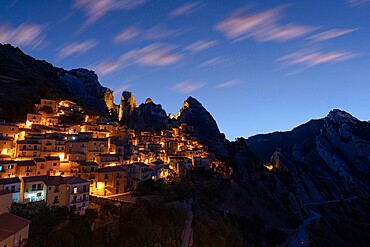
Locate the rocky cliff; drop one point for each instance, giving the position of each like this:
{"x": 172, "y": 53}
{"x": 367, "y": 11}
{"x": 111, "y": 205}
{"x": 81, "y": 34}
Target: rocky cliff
{"x": 193, "y": 113}
{"x": 149, "y": 117}
{"x": 328, "y": 158}
{"x": 25, "y": 80}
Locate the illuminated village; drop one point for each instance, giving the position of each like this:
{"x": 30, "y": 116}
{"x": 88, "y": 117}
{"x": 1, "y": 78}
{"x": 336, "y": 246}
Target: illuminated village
{"x": 63, "y": 164}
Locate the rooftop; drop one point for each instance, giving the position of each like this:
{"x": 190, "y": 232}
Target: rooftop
{"x": 10, "y": 224}
{"x": 10, "y": 180}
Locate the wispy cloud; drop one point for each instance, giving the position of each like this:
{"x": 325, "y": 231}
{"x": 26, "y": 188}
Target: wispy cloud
{"x": 76, "y": 48}
{"x": 216, "y": 61}
{"x": 154, "y": 55}
{"x": 330, "y": 34}
{"x": 188, "y": 86}
{"x": 200, "y": 45}
{"x": 262, "y": 26}
{"x": 185, "y": 9}
{"x": 157, "y": 32}
{"x": 310, "y": 57}
{"x": 96, "y": 9}
{"x": 230, "y": 83}
{"x": 128, "y": 33}
{"x": 358, "y": 3}
{"x": 107, "y": 67}
{"x": 26, "y": 35}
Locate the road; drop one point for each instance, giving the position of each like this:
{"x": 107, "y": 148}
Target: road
{"x": 301, "y": 238}
{"x": 187, "y": 233}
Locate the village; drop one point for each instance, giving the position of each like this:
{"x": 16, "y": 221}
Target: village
{"x": 62, "y": 156}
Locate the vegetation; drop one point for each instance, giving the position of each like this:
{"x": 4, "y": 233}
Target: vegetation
{"x": 169, "y": 191}
{"x": 147, "y": 223}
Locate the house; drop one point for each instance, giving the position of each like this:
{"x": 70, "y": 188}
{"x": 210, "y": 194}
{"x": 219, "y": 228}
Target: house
{"x": 88, "y": 171}
{"x": 48, "y": 103}
{"x": 57, "y": 191}
{"x": 13, "y": 185}
{"x": 5, "y": 201}
{"x": 8, "y": 168}
{"x": 49, "y": 165}
{"x": 13, "y": 230}
{"x": 8, "y": 130}
{"x": 78, "y": 193}
{"x": 26, "y": 168}
{"x": 6, "y": 146}
{"x": 28, "y": 148}
{"x": 33, "y": 118}
{"x": 111, "y": 180}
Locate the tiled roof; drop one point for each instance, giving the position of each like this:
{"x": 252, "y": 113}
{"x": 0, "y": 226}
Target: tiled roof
{"x": 10, "y": 224}
{"x": 87, "y": 163}
{"x": 26, "y": 163}
{"x": 111, "y": 169}
{"x": 75, "y": 180}
{"x": 52, "y": 158}
{"x": 10, "y": 180}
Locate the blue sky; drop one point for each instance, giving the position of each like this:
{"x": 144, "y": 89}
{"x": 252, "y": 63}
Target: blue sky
{"x": 257, "y": 66}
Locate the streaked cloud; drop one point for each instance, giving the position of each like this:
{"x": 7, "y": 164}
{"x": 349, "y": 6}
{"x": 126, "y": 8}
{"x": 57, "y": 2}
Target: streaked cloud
{"x": 358, "y": 3}
{"x": 76, "y": 48}
{"x": 200, "y": 45}
{"x": 230, "y": 83}
{"x": 154, "y": 55}
{"x": 310, "y": 57}
{"x": 330, "y": 34}
{"x": 157, "y": 32}
{"x": 96, "y": 9}
{"x": 188, "y": 86}
{"x": 262, "y": 26}
{"x": 215, "y": 61}
{"x": 25, "y": 35}
{"x": 107, "y": 67}
{"x": 128, "y": 33}
{"x": 185, "y": 9}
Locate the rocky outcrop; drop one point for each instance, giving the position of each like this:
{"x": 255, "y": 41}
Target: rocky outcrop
{"x": 126, "y": 107}
{"x": 84, "y": 85}
{"x": 193, "y": 113}
{"x": 328, "y": 158}
{"x": 149, "y": 117}
{"x": 33, "y": 79}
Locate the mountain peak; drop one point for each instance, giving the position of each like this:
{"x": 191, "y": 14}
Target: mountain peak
{"x": 338, "y": 115}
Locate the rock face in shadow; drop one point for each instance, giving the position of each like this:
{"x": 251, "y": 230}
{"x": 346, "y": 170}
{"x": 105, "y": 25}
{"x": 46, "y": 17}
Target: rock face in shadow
{"x": 193, "y": 113}
{"x": 85, "y": 86}
{"x": 328, "y": 158}
{"x": 149, "y": 117}
{"x": 24, "y": 80}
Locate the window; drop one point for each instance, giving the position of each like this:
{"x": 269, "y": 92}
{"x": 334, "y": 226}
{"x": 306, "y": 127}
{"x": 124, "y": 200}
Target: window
{"x": 10, "y": 166}
{"x": 33, "y": 188}
{"x": 54, "y": 164}
{"x": 74, "y": 190}
{"x": 38, "y": 194}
